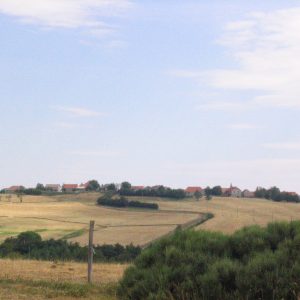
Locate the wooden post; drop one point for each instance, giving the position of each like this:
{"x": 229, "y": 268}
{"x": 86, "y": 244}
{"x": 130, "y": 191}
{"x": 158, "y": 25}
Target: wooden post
{"x": 90, "y": 251}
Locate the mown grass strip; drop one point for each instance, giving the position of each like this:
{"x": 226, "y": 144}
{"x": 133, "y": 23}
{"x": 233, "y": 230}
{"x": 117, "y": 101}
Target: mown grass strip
{"x": 74, "y": 234}
{"x": 52, "y": 289}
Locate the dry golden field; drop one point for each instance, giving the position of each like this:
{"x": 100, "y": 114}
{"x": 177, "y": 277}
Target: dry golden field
{"x": 20, "y": 279}
{"x": 60, "y": 271}
{"x": 231, "y": 214}
{"x": 68, "y": 217}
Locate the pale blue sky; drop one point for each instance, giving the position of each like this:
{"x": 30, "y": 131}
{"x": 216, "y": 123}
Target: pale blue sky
{"x": 154, "y": 92}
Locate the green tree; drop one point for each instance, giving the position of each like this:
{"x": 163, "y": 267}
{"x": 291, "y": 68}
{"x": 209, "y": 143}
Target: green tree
{"x": 93, "y": 185}
{"x": 216, "y": 191}
{"x": 26, "y": 241}
{"x": 125, "y": 185}
{"x": 111, "y": 187}
{"x": 197, "y": 195}
{"x": 275, "y": 193}
{"x": 208, "y": 193}
{"x": 40, "y": 187}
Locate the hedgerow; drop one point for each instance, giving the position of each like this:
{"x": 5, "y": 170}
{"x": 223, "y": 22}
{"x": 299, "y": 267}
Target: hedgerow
{"x": 29, "y": 245}
{"x": 122, "y": 202}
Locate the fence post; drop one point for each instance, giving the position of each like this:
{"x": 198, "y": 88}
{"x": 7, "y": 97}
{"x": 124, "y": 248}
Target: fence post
{"x": 90, "y": 251}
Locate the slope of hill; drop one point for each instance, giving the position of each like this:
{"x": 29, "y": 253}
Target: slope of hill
{"x": 68, "y": 216}
{"x": 231, "y": 214}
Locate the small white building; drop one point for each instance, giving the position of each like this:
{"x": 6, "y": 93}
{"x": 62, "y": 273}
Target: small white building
{"x": 232, "y": 191}
{"x": 53, "y": 187}
{"x": 248, "y": 194}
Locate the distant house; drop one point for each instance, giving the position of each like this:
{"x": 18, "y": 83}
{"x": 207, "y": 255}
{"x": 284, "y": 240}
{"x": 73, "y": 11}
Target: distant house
{"x": 190, "y": 191}
{"x": 158, "y": 187}
{"x": 69, "y": 187}
{"x": 118, "y": 186}
{"x": 137, "y": 188}
{"x": 14, "y": 189}
{"x": 53, "y": 187}
{"x": 248, "y": 194}
{"x": 292, "y": 193}
{"x": 83, "y": 186}
{"x": 155, "y": 187}
{"x": 232, "y": 191}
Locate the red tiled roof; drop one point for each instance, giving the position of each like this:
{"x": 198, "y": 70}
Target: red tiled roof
{"x": 70, "y": 186}
{"x": 193, "y": 189}
{"x": 292, "y": 193}
{"x": 84, "y": 185}
{"x": 137, "y": 188}
{"x": 156, "y": 187}
{"x": 52, "y": 185}
{"x": 15, "y": 188}
{"x": 235, "y": 188}
{"x": 230, "y": 189}
{"x": 247, "y": 191}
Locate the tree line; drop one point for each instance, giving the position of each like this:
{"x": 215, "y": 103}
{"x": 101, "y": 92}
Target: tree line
{"x": 29, "y": 245}
{"x": 275, "y": 194}
{"x": 126, "y": 189}
{"x": 159, "y": 191}
{"x": 122, "y": 202}
{"x": 253, "y": 263}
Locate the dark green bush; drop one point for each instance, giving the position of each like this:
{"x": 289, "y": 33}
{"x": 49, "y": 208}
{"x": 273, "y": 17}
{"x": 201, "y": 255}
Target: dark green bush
{"x": 30, "y": 245}
{"x": 33, "y": 192}
{"x": 160, "y": 191}
{"x": 122, "y": 202}
{"x": 253, "y": 263}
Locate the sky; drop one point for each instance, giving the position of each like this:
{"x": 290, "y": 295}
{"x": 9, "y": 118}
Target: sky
{"x": 180, "y": 93}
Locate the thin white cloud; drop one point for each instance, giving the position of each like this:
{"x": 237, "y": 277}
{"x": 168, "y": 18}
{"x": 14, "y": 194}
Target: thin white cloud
{"x": 243, "y": 126}
{"x": 74, "y": 14}
{"x": 265, "y": 47}
{"x": 79, "y": 111}
{"x": 283, "y": 146}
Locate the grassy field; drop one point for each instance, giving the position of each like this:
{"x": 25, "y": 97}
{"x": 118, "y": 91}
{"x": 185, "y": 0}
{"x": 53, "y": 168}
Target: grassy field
{"x": 231, "y": 214}
{"x": 68, "y": 216}
{"x": 21, "y": 279}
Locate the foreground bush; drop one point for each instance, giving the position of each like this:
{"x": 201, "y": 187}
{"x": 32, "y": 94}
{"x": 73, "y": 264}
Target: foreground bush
{"x": 253, "y": 263}
{"x": 30, "y": 245}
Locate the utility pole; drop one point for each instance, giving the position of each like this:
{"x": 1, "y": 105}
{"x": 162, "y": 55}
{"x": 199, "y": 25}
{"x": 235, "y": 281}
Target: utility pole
{"x": 90, "y": 251}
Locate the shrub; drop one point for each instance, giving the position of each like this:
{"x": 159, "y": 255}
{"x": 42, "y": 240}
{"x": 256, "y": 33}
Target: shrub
{"x": 122, "y": 202}
{"x": 32, "y": 192}
{"x": 253, "y": 263}
{"x": 27, "y": 241}
{"x": 30, "y": 245}
{"x": 159, "y": 191}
